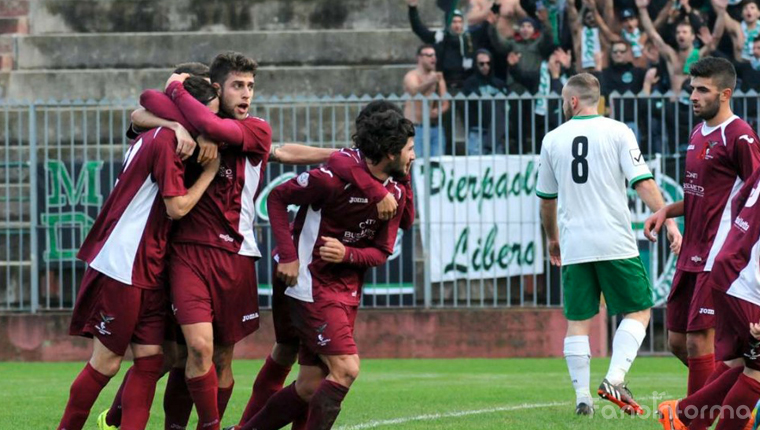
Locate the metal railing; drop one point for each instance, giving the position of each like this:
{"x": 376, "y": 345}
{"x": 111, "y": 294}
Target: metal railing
{"x": 477, "y": 241}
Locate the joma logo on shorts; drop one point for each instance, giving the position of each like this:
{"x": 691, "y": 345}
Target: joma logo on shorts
{"x": 226, "y": 238}
{"x": 358, "y": 200}
{"x": 249, "y": 317}
{"x": 706, "y": 311}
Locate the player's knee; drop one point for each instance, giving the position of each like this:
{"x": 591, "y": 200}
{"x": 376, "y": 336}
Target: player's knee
{"x": 698, "y": 344}
{"x": 346, "y": 371}
{"x": 106, "y": 364}
{"x": 285, "y": 354}
{"x": 200, "y": 348}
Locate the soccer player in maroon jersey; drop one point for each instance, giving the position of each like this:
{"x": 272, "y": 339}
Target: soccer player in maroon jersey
{"x": 721, "y": 156}
{"x": 336, "y": 236}
{"x": 122, "y": 299}
{"x": 345, "y": 165}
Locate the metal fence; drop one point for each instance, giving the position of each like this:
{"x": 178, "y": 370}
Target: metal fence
{"x": 477, "y": 241}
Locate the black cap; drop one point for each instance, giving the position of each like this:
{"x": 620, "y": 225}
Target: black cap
{"x": 627, "y": 13}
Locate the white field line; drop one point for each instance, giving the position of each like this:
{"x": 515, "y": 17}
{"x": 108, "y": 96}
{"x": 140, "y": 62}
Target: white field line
{"x": 429, "y": 417}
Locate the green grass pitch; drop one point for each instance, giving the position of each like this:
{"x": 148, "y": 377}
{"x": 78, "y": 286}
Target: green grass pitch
{"x": 389, "y": 394}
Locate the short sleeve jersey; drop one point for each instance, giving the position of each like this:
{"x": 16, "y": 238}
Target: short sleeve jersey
{"x": 128, "y": 240}
{"x": 585, "y": 164}
{"x": 718, "y": 161}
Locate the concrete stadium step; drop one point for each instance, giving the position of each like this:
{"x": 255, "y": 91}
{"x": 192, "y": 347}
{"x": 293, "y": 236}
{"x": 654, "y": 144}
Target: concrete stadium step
{"x": 67, "y": 16}
{"x": 126, "y": 83}
{"x": 138, "y": 50}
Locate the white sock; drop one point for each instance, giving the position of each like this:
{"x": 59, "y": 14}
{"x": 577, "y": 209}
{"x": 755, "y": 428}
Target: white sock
{"x": 578, "y": 356}
{"x": 625, "y": 346}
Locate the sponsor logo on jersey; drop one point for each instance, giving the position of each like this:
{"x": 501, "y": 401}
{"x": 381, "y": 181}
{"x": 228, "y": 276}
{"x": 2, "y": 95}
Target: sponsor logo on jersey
{"x": 690, "y": 147}
{"x": 741, "y": 224}
{"x": 358, "y": 200}
{"x": 706, "y": 311}
{"x": 101, "y": 326}
{"x": 694, "y": 189}
{"x": 691, "y": 175}
{"x": 746, "y": 137}
{"x": 696, "y": 259}
{"x": 226, "y": 237}
{"x": 250, "y": 317}
{"x": 303, "y": 179}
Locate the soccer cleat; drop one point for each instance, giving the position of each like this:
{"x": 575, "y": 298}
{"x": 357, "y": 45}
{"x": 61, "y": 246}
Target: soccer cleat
{"x": 620, "y": 395}
{"x": 584, "y": 409}
{"x": 669, "y": 417}
{"x": 102, "y": 422}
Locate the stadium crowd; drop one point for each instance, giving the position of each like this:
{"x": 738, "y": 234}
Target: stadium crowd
{"x": 643, "y": 47}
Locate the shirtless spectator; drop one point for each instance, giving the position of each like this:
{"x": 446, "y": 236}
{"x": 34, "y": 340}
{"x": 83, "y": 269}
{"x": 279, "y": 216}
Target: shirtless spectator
{"x": 424, "y": 80}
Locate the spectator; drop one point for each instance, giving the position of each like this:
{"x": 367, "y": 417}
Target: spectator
{"x": 743, "y": 34}
{"x": 634, "y": 36}
{"x": 426, "y": 81}
{"x": 679, "y": 60}
{"x": 749, "y": 71}
{"x": 588, "y": 43}
{"x": 454, "y": 46}
{"x": 525, "y": 52}
{"x": 482, "y": 134}
{"x": 622, "y": 76}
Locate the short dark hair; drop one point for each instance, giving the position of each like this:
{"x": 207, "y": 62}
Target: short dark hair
{"x": 192, "y": 68}
{"x": 377, "y": 106}
{"x": 756, "y": 39}
{"x": 425, "y": 46}
{"x": 230, "y": 62}
{"x": 200, "y": 89}
{"x": 382, "y": 133}
{"x": 720, "y": 70}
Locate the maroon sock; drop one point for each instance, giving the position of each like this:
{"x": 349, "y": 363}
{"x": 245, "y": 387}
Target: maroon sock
{"x": 84, "y": 391}
{"x": 139, "y": 391}
{"x": 325, "y": 405}
{"x": 283, "y": 407}
{"x": 177, "y": 401}
{"x": 737, "y": 408}
{"x": 270, "y": 380}
{"x": 203, "y": 390}
{"x": 222, "y": 398}
{"x": 720, "y": 367}
{"x": 699, "y": 406}
{"x": 113, "y": 417}
{"x": 700, "y": 368}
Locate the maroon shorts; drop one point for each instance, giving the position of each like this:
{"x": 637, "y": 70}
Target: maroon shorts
{"x": 213, "y": 285}
{"x": 118, "y": 314}
{"x": 732, "y": 337}
{"x": 690, "y": 303}
{"x": 284, "y": 331}
{"x": 173, "y": 332}
{"x": 325, "y": 328}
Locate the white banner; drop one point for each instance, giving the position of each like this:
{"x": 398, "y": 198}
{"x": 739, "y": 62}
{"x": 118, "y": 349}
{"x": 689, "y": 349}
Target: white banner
{"x": 484, "y": 216}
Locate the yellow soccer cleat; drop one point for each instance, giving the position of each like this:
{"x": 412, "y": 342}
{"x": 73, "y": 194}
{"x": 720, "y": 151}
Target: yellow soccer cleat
{"x": 102, "y": 422}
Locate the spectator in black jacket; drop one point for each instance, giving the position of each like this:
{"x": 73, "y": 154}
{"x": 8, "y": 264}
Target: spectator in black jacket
{"x": 455, "y": 47}
{"x": 622, "y": 76}
{"x": 485, "y": 118}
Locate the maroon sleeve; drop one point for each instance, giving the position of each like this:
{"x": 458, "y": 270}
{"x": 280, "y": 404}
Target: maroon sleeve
{"x": 349, "y": 166}
{"x": 746, "y": 153}
{"x": 161, "y": 105}
{"x": 366, "y": 257}
{"x": 229, "y": 131}
{"x": 168, "y": 170}
{"x": 307, "y": 188}
{"x": 407, "y": 216}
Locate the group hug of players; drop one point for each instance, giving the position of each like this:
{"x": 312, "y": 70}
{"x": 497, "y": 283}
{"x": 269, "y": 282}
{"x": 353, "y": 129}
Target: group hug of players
{"x": 172, "y": 257}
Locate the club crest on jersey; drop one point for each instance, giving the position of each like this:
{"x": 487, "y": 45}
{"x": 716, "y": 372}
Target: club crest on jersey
{"x": 303, "y": 179}
{"x": 705, "y": 154}
{"x": 753, "y": 355}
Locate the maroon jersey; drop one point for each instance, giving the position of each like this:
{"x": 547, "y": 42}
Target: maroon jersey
{"x": 128, "y": 240}
{"x": 225, "y": 215}
{"x": 334, "y": 208}
{"x": 349, "y": 166}
{"x": 737, "y": 266}
{"x": 718, "y": 161}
